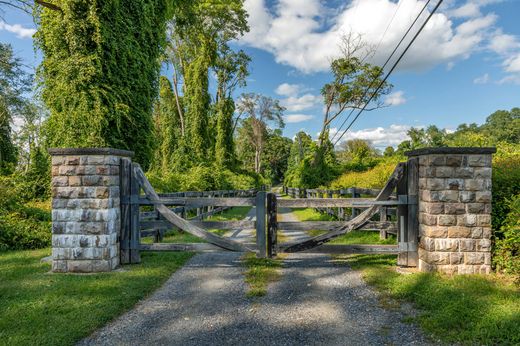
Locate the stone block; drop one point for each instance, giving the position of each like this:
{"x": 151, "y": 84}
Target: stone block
{"x": 435, "y": 184}
{"x": 484, "y": 269}
{"x": 468, "y": 220}
{"x": 433, "y": 208}
{"x": 446, "y": 245}
{"x": 427, "y": 244}
{"x": 437, "y": 160}
{"x": 459, "y": 232}
{"x": 467, "y": 245}
{"x": 447, "y": 220}
{"x": 456, "y": 258}
{"x": 55, "y": 171}
{"x": 474, "y": 184}
{"x": 58, "y": 160}
{"x": 74, "y": 181}
{"x": 110, "y": 181}
{"x": 427, "y": 219}
{"x": 59, "y": 266}
{"x": 426, "y": 171}
{"x": 444, "y": 172}
{"x": 447, "y": 269}
{"x": 102, "y": 192}
{"x": 95, "y": 160}
{"x": 68, "y": 170}
{"x": 424, "y": 160}
{"x": 476, "y": 232}
{"x": 449, "y": 196}
{"x": 486, "y": 232}
{"x": 72, "y": 160}
{"x": 433, "y": 231}
{"x": 484, "y": 220}
{"x": 92, "y": 180}
{"x": 463, "y": 172}
{"x": 466, "y": 269}
{"x": 112, "y": 160}
{"x": 475, "y": 208}
{"x": 425, "y": 266}
{"x": 60, "y": 181}
{"x": 473, "y": 258}
{"x": 483, "y": 245}
{"x": 101, "y": 265}
{"x": 467, "y": 196}
{"x": 454, "y": 160}
{"x": 455, "y": 184}
{"x": 80, "y": 266}
{"x": 487, "y": 258}
{"x": 482, "y": 173}
{"x": 439, "y": 258}
{"x": 479, "y": 160}
{"x": 455, "y": 208}
{"x": 483, "y": 196}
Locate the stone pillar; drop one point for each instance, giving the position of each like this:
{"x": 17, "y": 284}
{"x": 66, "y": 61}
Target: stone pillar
{"x": 86, "y": 216}
{"x": 454, "y": 209}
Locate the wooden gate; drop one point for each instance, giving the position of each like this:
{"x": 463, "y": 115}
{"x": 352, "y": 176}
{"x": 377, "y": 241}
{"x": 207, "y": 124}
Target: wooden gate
{"x": 400, "y": 194}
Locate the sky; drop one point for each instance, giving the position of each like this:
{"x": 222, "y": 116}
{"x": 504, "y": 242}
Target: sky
{"x": 464, "y": 65}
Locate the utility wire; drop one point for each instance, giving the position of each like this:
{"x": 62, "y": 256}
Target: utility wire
{"x": 391, "y": 70}
{"x": 386, "y": 62}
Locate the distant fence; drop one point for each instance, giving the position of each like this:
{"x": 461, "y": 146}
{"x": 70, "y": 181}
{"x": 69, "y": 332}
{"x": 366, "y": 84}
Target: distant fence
{"x": 386, "y": 213}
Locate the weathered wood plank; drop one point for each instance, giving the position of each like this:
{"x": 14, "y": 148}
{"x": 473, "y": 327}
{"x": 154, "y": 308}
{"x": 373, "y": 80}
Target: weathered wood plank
{"x": 197, "y": 202}
{"x": 124, "y": 239}
{"x": 183, "y": 224}
{"x": 356, "y": 222}
{"x": 348, "y": 249}
{"x": 402, "y": 223}
{"x": 334, "y": 202}
{"x": 190, "y": 247}
{"x": 261, "y": 224}
{"x": 241, "y": 224}
{"x": 272, "y": 224}
{"x": 413, "y": 211}
{"x": 135, "y": 236}
{"x": 331, "y": 225}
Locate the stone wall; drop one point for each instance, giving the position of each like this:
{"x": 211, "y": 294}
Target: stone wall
{"x": 86, "y": 216}
{"x": 454, "y": 209}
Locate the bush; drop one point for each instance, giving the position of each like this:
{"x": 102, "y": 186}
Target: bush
{"x": 374, "y": 178}
{"x": 507, "y": 250}
{"x": 22, "y": 225}
{"x": 506, "y": 182}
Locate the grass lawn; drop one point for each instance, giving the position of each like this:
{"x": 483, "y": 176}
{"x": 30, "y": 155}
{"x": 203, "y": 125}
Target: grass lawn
{"x": 354, "y": 237}
{"x": 465, "y": 309}
{"x": 232, "y": 214}
{"x": 39, "y": 308}
{"x": 260, "y": 272}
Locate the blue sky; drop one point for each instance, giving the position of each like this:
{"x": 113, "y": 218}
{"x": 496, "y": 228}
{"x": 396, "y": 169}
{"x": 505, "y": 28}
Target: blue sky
{"x": 464, "y": 65}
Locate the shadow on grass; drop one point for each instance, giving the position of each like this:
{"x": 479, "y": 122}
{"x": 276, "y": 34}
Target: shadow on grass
{"x": 469, "y": 309}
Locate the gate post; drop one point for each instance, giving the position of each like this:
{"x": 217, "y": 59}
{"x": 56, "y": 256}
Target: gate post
{"x": 86, "y": 214}
{"x": 130, "y": 233}
{"x": 261, "y": 224}
{"x": 402, "y": 222}
{"x": 454, "y": 189}
{"x": 272, "y": 225}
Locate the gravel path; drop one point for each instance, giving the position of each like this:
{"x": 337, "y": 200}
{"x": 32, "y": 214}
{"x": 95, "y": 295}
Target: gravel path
{"x": 315, "y": 303}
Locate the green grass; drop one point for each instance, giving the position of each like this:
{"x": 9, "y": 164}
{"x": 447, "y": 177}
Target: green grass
{"x": 232, "y": 214}
{"x": 260, "y": 272}
{"x": 40, "y": 308}
{"x": 354, "y": 237}
{"x": 465, "y": 309}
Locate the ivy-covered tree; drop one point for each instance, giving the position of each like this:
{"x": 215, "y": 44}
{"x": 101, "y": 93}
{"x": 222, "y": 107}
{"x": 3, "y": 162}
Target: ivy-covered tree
{"x": 100, "y": 69}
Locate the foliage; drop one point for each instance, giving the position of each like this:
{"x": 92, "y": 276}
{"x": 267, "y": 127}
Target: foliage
{"x": 462, "y": 309}
{"x": 507, "y": 250}
{"x": 36, "y": 307}
{"x": 506, "y": 182}
{"x": 276, "y": 156}
{"x": 260, "y": 112}
{"x": 14, "y": 81}
{"x": 356, "y": 151}
{"x": 100, "y": 70}
{"x": 22, "y": 225}
{"x": 373, "y": 178}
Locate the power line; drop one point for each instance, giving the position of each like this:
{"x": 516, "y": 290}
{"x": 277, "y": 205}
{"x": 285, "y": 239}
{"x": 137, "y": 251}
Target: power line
{"x": 391, "y": 70}
{"x": 386, "y": 63}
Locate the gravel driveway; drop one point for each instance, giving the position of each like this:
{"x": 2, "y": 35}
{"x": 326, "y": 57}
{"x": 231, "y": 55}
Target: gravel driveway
{"x": 315, "y": 303}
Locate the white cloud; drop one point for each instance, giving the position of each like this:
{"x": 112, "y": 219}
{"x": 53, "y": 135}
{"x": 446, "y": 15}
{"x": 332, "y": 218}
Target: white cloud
{"x": 484, "y": 79}
{"x": 512, "y": 64}
{"x": 395, "y": 99}
{"x": 306, "y": 34}
{"x": 300, "y": 103}
{"x": 503, "y": 43}
{"x": 296, "y": 118}
{"x": 287, "y": 89}
{"x": 17, "y": 29}
{"x": 379, "y": 136}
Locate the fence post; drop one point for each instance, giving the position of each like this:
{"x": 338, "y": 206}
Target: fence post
{"x": 383, "y": 218}
{"x": 135, "y": 235}
{"x": 125, "y": 176}
{"x": 402, "y": 222}
{"x": 272, "y": 225}
{"x": 261, "y": 224}
{"x": 413, "y": 211}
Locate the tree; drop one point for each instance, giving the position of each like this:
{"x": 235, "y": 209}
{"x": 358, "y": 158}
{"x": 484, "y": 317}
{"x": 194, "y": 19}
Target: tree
{"x": 276, "y": 156}
{"x": 503, "y": 126}
{"x": 389, "y": 151}
{"x": 198, "y": 41}
{"x": 100, "y": 71}
{"x": 354, "y": 83}
{"x": 260, "y": 111}
{"x": 356, "y": 150}
{"x": 14, "y": 82}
